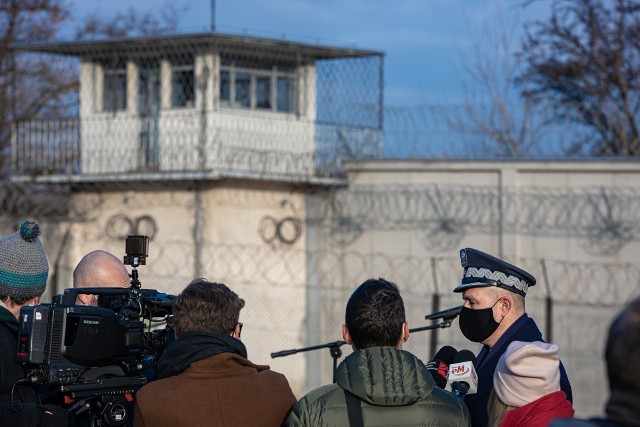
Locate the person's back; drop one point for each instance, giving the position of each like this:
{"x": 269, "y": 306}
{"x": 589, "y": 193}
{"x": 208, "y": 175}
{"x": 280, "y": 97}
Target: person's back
{"x": 391, "y": 386}
{"x": 527, "y": 387}
{"x": 395, "y": 389}
{"x": 622, "y": 353}
{"x": 23, "y": 277}
{"x": 205, "y": 377}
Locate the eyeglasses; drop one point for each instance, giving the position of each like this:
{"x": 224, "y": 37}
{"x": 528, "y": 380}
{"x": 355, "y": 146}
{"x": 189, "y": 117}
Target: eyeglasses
{"x": 239, "y": 328}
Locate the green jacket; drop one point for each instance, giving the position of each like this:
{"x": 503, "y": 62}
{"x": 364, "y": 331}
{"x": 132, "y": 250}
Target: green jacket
{"x": 395, "y": 389}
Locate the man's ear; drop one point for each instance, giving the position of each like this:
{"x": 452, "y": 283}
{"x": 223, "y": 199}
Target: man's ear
{"x": 505, "y": 305}
{"x": 236, "y": 331}
{"x": 85, "y": 299}
{"x": 345, "y": 334}
{"x": 405, "y": 332}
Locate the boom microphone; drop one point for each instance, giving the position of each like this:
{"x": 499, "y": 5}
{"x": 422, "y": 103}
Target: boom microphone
{"x": 439, "y": 365}
{"x": 462, "y": 378}
{"x": 449, "y": 314}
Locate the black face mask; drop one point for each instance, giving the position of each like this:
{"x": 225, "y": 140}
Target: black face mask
{"x": 478, "y": 325}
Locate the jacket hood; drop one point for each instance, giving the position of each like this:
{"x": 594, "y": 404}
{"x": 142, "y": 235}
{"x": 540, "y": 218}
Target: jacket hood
{"x": 539, "y": 412}
{"x": 385, "y": 376}
{"x": 7, "y": 317}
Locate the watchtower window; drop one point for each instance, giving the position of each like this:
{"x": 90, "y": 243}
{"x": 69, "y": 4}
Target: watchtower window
{"x": 114, "y": 88}
{"x": 267, "y": 89}
{"x": 182, "y": 82}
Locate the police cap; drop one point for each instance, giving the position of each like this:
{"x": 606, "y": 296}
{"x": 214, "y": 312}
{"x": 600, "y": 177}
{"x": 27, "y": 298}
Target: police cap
{"x": 481, "y": 269}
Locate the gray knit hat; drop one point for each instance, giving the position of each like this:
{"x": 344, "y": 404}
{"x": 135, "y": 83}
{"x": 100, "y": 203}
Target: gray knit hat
{"x": 23, "y": 263}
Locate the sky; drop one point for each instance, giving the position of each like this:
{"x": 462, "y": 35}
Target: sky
{"x": 426, "y": 42}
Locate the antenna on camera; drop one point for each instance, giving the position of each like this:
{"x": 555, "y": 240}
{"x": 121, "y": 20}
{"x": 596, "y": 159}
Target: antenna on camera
{"x": 137, "y": 251}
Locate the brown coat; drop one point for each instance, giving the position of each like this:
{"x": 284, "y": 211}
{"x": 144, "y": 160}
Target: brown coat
{"x": 221, "y": 390}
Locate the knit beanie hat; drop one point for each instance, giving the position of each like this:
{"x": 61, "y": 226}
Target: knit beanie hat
{"x": 23, "y": 263}
{"x": 526, "y": 372}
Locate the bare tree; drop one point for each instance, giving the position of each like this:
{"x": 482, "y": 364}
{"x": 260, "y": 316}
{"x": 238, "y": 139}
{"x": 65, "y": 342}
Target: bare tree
{"x": 33, "y": 86}
{"x": 500, "y": 122}
{"x": 29, "y": 87}
{"x": 582, "y": 63}
{"x": 132, "y": 22}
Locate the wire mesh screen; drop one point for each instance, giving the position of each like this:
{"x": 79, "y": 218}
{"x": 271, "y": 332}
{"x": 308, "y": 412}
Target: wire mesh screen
{"x": 203, "y": 103}
{"x": 297, "y": 276}
{"x": 150, "y": 134}
{"x": 223, "y": 104}
{"x": 350, "y": 92}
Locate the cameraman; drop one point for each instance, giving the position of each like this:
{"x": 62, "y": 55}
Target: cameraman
{"x": 205, "y": 376}
{"x": 23, "y": 278}
{"x": 99, "y": 269}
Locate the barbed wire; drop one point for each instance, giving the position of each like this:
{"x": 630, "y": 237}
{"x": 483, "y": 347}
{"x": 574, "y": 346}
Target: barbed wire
{"x": 607, "y": 218}
{"x": 328, "y": 270}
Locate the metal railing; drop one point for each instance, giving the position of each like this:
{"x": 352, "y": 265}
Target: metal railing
{"x": 46, "y": 147}
{"x": 223, "y": 142}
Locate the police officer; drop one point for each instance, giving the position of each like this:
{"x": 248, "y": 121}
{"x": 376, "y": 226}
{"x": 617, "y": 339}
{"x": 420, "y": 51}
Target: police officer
{"x": 494, "y": 315}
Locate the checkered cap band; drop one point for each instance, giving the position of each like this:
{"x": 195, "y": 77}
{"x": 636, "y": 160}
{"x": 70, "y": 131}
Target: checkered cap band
{"x": 498, "y": 278}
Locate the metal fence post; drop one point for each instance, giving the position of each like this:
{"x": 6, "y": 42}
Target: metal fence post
{"x": 435, "y": 305}
{"x": 197, "y": 231}
{"x": 548, "y": 307}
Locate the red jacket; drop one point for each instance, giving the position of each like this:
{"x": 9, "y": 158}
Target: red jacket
{"x": 221, "y": 390}
{"x": 539, "y": 412}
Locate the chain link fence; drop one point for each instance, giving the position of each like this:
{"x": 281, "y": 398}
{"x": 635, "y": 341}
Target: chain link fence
{"x": 171, "y": 118}
{"x": 296, "y": 294}
{"x": 202, "y": 103}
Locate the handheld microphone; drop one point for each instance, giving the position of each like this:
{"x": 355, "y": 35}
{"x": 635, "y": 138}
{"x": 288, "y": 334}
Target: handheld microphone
{"x": 463, "y": 378}
{"x": 449, "y": 314}
{"x": 439, "y": 365}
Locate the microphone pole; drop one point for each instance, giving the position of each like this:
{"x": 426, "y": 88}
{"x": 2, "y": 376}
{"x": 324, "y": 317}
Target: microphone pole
{"x": 448, "y": 314}
{"x": 334, "y": 350}
{"x": 447, "y": 317}
{"x": 444, "y": 324}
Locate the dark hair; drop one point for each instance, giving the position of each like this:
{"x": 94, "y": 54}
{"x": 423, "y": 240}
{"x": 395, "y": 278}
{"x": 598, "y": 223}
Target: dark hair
{"x": 375, "y": 314}
{"x": 17, "y": 300}
{"x": 206, "y": 307}
{"x": 623, "y": 350}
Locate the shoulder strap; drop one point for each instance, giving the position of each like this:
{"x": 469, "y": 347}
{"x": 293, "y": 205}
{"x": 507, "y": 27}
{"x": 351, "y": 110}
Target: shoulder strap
{"x": 354, "y": 411}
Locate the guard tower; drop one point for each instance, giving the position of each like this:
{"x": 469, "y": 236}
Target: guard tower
{"x": 204, "y": 106}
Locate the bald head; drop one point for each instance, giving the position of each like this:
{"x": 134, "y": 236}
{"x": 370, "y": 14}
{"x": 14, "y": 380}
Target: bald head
{"x": 99, "y": 269}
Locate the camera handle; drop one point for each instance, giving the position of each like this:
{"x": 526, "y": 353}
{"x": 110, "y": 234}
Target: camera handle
{"x": 69, "y": 295}
{"x": 135, "y": 282}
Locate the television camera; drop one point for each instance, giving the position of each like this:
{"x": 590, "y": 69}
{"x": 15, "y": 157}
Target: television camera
{"x": 93, "y": 358}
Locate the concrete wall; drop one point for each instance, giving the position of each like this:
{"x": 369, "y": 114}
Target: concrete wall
{"x": 226, "y": 228}
{"x": 295, "y": 254}
{"x": 574, "y": 225}
{"x": 516, "y": 209}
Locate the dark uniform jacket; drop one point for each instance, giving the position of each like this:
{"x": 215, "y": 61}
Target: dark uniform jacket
{"x": 523, "y": 329}
{"x": 394, "y": 387}
{"x": 623, "y": 410}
